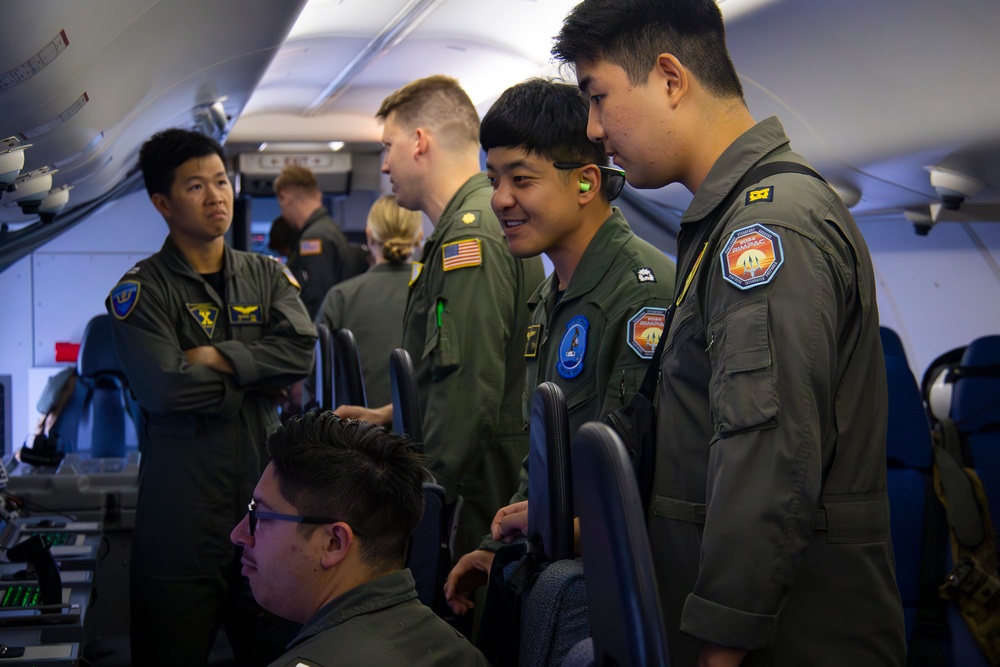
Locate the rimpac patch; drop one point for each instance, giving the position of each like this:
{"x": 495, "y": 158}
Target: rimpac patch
{"x": 751, "y": 256}
{"x": 765, "y": 193}
{"x": 645, "y": 329}
{"x": 246, "y": 313}
{"x": 205, "y": 314}
{"x": 460, "y": 254}
{"x": 124, "y": 297}
{"x": 573, "y": 347}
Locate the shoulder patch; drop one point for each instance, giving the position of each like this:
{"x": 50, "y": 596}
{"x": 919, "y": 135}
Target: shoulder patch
{"x": 205, "y": 314}
{"x": 573, "y": 347}
{"x": 765, "y": 193}
{"x": 645, "y": 275}
{"x": 131, "y": 272}
{"x": 124, "y": 297}
{"x": 645, "y": 329}
{"x": 469, "y": 218}
{"x": 461, "y": 254}
{"x": 751, "y": 257}
{"x": 415, "y": 270}
{"x": 246, "y": 313}
{"x": 291, "y": 278}
{"x": 309, "y": 247}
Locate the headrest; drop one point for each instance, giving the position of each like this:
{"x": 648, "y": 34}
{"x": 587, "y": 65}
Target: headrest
{"x": 892, "y": 346}
{"x": 975, "y": 403}
{"x": 98, "y": 355}
{"x": 908, "y": 436}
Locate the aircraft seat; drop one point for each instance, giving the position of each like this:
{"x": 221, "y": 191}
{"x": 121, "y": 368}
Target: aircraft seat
{"x": 108, "y": 414}
{"x": 320, "y": 383}
{"x": 349, "y": 384}
{"x": 626, "y": 621}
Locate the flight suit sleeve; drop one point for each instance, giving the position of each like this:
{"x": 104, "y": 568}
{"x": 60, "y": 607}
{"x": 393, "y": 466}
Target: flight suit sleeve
{"x": 772, "y": 349}
{"x": 477, "y": 319}
{"x": 151, "y": 352}
{"x": 284, "y": 354}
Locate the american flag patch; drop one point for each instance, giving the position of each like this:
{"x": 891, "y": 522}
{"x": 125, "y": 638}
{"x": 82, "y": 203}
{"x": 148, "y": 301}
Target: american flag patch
{"x": 311, "y": 247}
{"x": 460, "y": 254}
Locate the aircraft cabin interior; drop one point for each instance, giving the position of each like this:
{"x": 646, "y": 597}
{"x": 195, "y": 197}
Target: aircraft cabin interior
{"x": 894, "y": 102}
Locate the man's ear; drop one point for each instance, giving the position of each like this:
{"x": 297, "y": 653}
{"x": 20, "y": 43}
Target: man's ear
{"x": 338, "y": 540}
{"x": 589, "y": 184}
{"x": 421, "y": 143}
{"x": 672, "y": 76}
{"x": 162, "y": 204}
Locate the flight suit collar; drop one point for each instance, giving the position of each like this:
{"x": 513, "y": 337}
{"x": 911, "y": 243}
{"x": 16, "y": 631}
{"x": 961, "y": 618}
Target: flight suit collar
{"x": 318, "y": 214}
{"x": 177, "y": 263}
{"x": 763, "y": 138}
{"x": 594, "y": 264}
{"x": 455, "y": 204}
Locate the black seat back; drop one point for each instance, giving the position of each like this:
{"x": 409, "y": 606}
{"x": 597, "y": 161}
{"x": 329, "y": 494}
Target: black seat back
{"x": 550, "y": 484}
{"x": 349, "y": 384}
{"x": 626, "y": 621}
{"x": 405, "y": 400}
{"x": 322, "y": 389}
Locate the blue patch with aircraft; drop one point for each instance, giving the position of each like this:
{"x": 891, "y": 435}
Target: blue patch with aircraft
{"x": 246, "y": 313}
{"x": 573, "y": 347}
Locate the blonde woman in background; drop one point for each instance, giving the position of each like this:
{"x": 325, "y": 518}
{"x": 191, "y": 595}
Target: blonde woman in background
{"x": 371, "y": 305}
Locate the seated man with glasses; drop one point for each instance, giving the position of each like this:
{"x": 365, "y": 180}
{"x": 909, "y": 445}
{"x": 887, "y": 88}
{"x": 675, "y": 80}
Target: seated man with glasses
{"x": 596, "y": 320}
{"x": 324, "y": 542}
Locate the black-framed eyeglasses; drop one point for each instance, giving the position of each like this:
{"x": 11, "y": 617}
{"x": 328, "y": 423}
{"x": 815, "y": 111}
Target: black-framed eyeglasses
{"x": 614, "y": 175}
{"x": 254, "y": 515}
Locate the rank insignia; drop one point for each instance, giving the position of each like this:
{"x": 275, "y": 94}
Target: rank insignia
{"x": 645, "y": 275}
{"x": 751, "y": 257}
{"x": 124, "y": 297}
{"x": 470, "y": 218}
{"x": 573, "y": 347}
{"x": 205, "y": 314}
{"x": 531, "y": 345}
{"x": 415, "y": 270}
{"x": 310, "y": 247}
{"x": 246, "y": 313}
{"x": 645, "y": 329}
{"x": 760, "y": 194}
{"x": 461, "y": 254}
{"x": 291, "y": 278}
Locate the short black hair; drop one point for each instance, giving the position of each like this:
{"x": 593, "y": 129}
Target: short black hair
{"x": 356, "y": 472}
{"x": 165, "y": 151}
{"x": 543, "y": 117}
{"x": 632, "y": 33}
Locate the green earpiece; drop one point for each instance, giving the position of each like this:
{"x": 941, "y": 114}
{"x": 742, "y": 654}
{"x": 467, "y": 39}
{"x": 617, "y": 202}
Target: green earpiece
{"x": 584, "y": 186}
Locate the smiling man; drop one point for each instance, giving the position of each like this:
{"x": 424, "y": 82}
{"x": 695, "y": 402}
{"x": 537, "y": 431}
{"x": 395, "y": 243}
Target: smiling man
{"x": 324, "y": 544}
{"x": 596, "y": 320}
{"x": 207, "y": 336}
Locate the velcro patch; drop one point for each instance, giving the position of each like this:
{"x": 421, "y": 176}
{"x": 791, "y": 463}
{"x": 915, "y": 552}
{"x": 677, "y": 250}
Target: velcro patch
{"x": 461, "y": 254}
{"x": 765, "y": 193}
{"x": 205, "y": 314}
{"x": 573, "y": 347}
{"x": 415, "y": 270}
{"x": 531, "y": 345}
{"x": 470, "y": 218}
{"x": 645, "y": 275}
{"x": 309, "y": 247}
{"x": 246, "y": 313}
{"x": 124, "y": 297}
{"x": 645, "y": 329}
{"x": 751, "y": 257}
{"x": 291, "y": 278}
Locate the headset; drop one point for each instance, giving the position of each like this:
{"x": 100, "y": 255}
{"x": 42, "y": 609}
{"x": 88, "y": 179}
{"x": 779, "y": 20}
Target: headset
{"x": 45, "y": 450}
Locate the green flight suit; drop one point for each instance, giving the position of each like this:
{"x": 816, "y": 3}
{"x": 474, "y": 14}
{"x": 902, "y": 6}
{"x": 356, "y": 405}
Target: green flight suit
{"x": 204, "y": 447}
{"x": 371, "y": 306}
{"x": 320, "y": 259}
{"x": 615, "y": 305}
{"x": 464, "y": 327}
{"x": 769, "y": 524}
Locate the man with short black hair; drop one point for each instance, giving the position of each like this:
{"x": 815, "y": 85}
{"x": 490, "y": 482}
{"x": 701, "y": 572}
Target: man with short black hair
{"x": 769, "y": 521}
{"x": 324, "y": 544}
{"x": 208, "y": 336}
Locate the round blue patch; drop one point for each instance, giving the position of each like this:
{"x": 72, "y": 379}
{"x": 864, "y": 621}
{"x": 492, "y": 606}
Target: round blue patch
{"x": 573, "y": 347}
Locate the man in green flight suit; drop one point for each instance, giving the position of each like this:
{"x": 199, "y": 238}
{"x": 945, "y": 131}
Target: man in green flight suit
{"x": 466, "y": 316}
{"x": 596, "y": 320}
{"x": 207, "y": 336}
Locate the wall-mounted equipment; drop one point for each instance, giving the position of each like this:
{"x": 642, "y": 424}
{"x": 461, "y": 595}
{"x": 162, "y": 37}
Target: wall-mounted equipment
{"x": 31, "y": 188}
{"x": 953, "y": 187}
{"x": 11, "y": 162}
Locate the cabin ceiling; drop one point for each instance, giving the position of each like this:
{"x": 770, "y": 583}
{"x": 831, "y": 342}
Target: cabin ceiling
{"x": 872, "y": 93}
